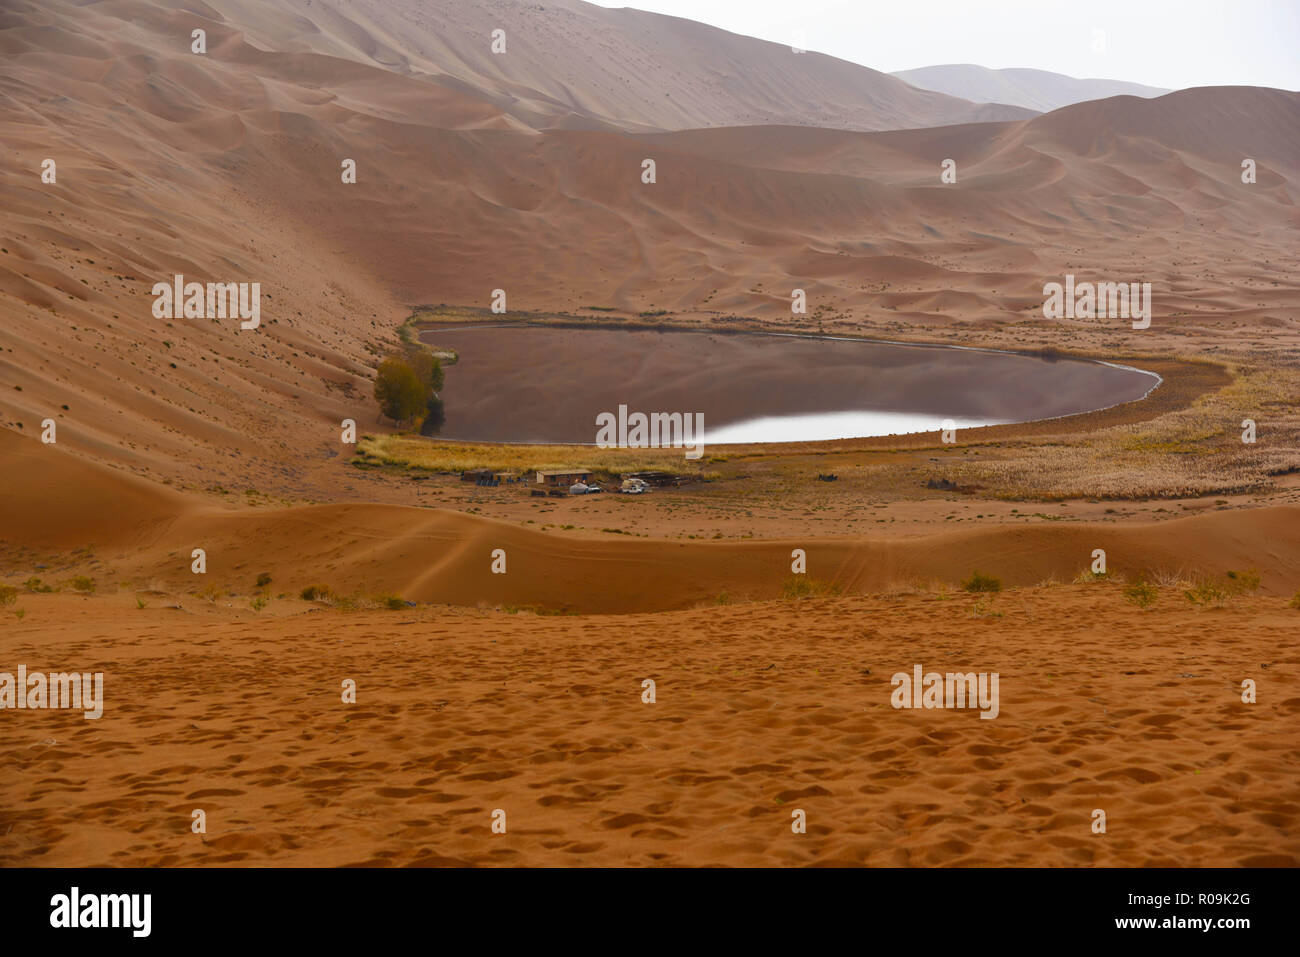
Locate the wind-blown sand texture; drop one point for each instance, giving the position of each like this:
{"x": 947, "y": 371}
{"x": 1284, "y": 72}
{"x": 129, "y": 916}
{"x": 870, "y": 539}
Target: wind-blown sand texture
{"x": 760, "y": 710}
{"x": 775, "y": 171}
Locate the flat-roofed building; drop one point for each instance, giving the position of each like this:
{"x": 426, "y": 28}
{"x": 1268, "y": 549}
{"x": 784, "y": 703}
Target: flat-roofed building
{"x": 563, "y": 477}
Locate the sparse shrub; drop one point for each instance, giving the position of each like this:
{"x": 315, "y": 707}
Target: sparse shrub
{"x": 802, "y": 586}
{"x": 1207, "y": 592}
{"x": 140, "y": 603}
{"x": 8, "y": 595}
{"x": 1241, "y": 582}
{"x": 983, "y": 608}
{"x": 1087, "y": 576}
{"x": 83, "y": 583}
{"x": 210, "y": 594}
{"x": 1295, "y": 601}
{"x": 34, "y": 585}
{"x": 979, "y": 582}
{"x": 1141, "y": 593}
{"x": 1167, "y": 578}
{"x": 391, "y": 602}
{"x": 317, "y": 593}
{"x": 533, "y": 610}
{"x": 263, "y": 579}
{"x": 258, "y": 603}
{"x": 798, "y": 586}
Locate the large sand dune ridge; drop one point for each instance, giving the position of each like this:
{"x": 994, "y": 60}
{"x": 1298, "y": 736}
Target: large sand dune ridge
{"x": 226, "y": 167}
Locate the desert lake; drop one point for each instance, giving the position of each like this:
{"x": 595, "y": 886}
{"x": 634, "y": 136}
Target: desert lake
{"x": 543, "y": 384}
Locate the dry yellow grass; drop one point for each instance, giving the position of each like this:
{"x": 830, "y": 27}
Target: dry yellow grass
{"x": 1193, "y": 451}
{"x": 416, "y": 452}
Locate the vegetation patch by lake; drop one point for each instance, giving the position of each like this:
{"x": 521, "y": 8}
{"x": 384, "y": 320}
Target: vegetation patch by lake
{"x": 414, "y": 452}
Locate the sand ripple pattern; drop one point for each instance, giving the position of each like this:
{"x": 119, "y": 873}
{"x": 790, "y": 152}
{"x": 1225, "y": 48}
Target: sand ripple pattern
{"x": 760, "y": 709}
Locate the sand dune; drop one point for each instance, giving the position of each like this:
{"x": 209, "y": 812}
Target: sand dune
{"x": 760, "y": 710}
{"x": 577, "y": 65}
{"x": 227, "y": 167}
{"x": 1039, "y": 90}
{"x": 446, "y": 557}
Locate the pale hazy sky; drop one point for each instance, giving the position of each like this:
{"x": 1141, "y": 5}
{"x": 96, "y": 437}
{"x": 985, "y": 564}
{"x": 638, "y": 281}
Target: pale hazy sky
{"x": 1166, "y": 43}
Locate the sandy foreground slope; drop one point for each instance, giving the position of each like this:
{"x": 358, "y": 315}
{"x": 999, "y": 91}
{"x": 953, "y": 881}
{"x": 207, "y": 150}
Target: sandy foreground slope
{"x": 760, "y": 710}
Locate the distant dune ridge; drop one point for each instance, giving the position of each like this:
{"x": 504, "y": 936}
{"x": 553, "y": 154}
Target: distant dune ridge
{"x": 1039, "y": 90}
{"x": 226, "y": 167}
{"x": 575, "y": 64}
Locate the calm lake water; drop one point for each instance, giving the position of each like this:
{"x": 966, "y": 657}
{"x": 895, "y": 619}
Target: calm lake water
{"x": 548, "y": 384}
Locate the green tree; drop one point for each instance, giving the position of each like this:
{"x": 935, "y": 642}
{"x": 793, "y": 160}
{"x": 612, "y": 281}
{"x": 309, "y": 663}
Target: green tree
{"x": 427, "y": 367}
{"x": 401, "y": 393}
{"x": 434, "y": 418}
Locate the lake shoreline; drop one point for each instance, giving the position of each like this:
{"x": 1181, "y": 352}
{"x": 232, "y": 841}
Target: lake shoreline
{"x": 544, "y": 383}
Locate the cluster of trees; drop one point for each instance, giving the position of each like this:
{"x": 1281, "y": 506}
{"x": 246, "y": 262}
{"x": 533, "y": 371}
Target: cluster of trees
{"x": 407, "y": 388}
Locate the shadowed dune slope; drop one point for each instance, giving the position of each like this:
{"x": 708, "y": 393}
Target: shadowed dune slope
{"x": 52, "y": 500}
